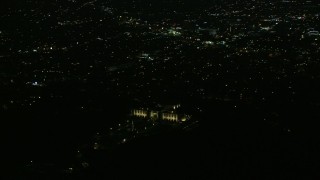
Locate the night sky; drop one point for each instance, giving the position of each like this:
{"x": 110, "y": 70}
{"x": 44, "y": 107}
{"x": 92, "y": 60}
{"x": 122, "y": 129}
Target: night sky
{"x": 206, "y": 89}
